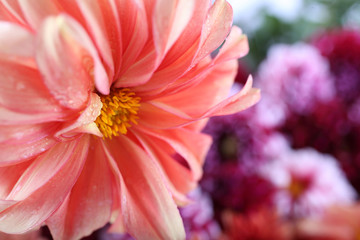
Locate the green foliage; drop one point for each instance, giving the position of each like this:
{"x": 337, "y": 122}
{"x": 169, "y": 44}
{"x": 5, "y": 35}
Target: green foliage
{"x": 273, "y": 30}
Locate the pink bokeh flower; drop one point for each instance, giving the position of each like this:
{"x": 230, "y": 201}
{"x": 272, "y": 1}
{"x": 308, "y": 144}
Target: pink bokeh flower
{"x": 96, "y": 99}
{"x": 307, "y": 183}
{"x": 293, "y": 78}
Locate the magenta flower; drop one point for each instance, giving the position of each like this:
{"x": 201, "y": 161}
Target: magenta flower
{"x": 240, "y": 146}
{"x": 342, "y": 49}
{"x": 307, "y": 182}
{"x": 96, "y": 98}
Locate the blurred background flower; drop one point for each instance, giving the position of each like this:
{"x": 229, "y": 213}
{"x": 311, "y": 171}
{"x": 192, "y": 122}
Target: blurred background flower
{"x": 289, "y": 168}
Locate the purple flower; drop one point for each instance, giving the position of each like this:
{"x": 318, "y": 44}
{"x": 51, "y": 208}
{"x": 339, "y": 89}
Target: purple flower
{"x": 198, "y": 217}
{"x": 239, "y": 147}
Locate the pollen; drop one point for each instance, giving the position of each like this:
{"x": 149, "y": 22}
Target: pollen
{"x": 118, "y": 113}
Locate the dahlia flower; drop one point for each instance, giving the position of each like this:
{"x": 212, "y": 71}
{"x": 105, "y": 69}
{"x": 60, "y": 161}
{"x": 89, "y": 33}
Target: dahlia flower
{"x": 294, "y": 78}
{"x": 307, "y": 183}
{"x": 96, "y": 99}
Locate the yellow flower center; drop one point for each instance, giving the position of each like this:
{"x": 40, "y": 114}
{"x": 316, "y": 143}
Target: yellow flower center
{"x": 119, "y": 110}
{"x": 298, "y": 186}
{"x": 296, "y": 189}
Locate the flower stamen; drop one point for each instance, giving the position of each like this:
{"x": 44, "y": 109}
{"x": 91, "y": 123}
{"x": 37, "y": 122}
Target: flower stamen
{"x": 119, "y": 111}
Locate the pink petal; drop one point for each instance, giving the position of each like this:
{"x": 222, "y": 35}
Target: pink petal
{"x": 89, "y": 204}
{"x": 9, "y": 175}
{"x": 217, "y": 26}
{"x": 197, "y": 126}
{"x": 141, "y": 71}
{"x": 22, "y": 90}
{"x": 19, "y": 134}
{"x": 207, "y": 94}
{"x": 87, "y": 117}
{"x": 35, "y": 11}
{"x": 16, "y": 43}
{"x": 170, "y": 17}
{"x": 178, "y": 179}
{"x": 4, "y": 204}
{"x": 134, "y": 35}
{"x": 247, "y": 97}
{"x": 33, "y": 235}
{"x": 148, "y": 211}
{"x": 192, "y": 146}
{"x": 214, "y": 88}
{"x": 8, "y": 117}
{"x": 180, "y": 56}
{"x": 189, "y": 38}
{"x": 104, "y": 26}
{"x": 69, "y": 62}
{"x": 13, "y": 154}
{"x": 42, "y": 189}
{"x": 11, "y": 11}
{"x": 235, "y": 46}
{"x": 170, "y": 116}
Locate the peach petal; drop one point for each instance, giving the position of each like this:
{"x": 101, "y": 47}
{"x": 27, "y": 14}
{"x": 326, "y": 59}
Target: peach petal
{"x": 19, "y": 134}
{"x": 16, "y": 42}
{"x": 42, "y": 202}
{"x": 217, "y": 26}
{"x": 69, "y": 62}
{"x": 214, "y": 88}
{"x": 190, "y": 145}
{"x": 134, "y": 35}
{"x": 148, "y": 210}
{"x": 10, "y": 118}
{"x": 170, "y": 116}
{"x": 208, "y": 92}
{"x": 22, "y": 90}
{"x": 170, "y": 17}
{"x": 178, "y": 179}
{"x": 247, "y": 97}
{"x": 89, "y": 204}
{"x": 32, "y": 235}
{"x": 103, "y": 24}
{"x": 13, "y": 154}
{"x": 235, "y": 46}
{"x": 11, "y": 11}
{"x": 189, "y": 38}
{"x": 35, "y": 11}
{"x": 9, "y": 175}
{"x": 140, "y": 71}
{"x": 85, "y": 122}
{"x": 4, "y": 204}
{"x": 41, "y": 170}
{"x": 180, "y": 56}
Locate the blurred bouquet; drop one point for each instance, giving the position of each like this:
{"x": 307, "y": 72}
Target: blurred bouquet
{"x": 288, "y": 168}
